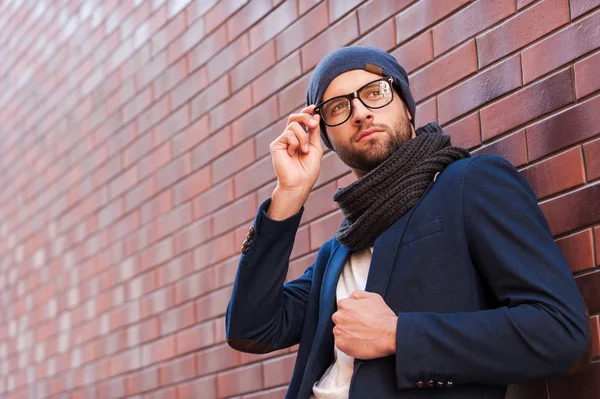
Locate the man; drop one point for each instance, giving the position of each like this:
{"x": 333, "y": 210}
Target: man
{"x": 443, "y": 280}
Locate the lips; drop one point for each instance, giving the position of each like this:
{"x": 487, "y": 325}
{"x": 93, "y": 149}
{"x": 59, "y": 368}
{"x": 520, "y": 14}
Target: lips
{"x": 366, "y": 133}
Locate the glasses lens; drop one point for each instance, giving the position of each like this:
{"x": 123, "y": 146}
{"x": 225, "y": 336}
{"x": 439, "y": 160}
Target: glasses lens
{"x": 376, "y": 94}
{"x": 336, "y": 111}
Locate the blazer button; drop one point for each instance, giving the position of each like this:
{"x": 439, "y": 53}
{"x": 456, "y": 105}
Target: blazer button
{"x": 244, "y": 250}
{"x": 420, "y": 384}
{"x": 431, "y": 383}
{"x": 449, "y": 384}
{"x": 249, "y": 236}
{"x": 251, "y": 230}
{"x": 440, "y": 384}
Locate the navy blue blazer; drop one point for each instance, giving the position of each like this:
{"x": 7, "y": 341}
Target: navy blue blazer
{"x": 484, "y": 297}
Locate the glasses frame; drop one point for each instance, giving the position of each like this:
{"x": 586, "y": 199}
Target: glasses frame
{"x": 352, "y": 96}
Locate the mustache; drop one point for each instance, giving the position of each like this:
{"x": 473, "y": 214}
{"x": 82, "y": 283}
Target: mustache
{"x": 370, "y": 126}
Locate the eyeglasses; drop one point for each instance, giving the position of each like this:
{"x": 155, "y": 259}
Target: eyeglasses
{"x": 373, "y": 95}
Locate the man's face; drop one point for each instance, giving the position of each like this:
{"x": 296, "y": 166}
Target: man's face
{"x": 391, "y": 125}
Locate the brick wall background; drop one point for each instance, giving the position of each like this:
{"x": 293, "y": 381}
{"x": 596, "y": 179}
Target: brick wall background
{"x": 134, "y": 152}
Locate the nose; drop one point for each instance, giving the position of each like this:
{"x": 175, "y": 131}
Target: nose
{"x": 360, "y": 113}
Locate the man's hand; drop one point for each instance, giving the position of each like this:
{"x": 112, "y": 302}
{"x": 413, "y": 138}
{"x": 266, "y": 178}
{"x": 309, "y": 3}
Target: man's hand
{"x": 365, "y": 326}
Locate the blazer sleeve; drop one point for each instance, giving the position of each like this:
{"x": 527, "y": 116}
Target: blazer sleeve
{"x": 264, "y": 314}
{"x": 538, "y": 328}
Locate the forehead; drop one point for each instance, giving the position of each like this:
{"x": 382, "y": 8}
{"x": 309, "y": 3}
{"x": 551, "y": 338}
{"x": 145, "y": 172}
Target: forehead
{"x": 348, "y": 82}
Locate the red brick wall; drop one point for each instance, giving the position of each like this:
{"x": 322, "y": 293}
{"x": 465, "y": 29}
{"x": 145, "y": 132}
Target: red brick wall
{"x": 134, "y": 152}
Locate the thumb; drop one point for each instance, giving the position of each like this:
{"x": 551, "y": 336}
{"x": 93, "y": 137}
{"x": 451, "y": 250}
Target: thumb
{"x": 314, "y": 133}
{"x": 359, "y": 294}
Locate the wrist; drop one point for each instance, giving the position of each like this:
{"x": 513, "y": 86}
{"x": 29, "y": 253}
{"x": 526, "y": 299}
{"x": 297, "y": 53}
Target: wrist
{"x": 391, "y": 327}
{"x": 286, "y": 203}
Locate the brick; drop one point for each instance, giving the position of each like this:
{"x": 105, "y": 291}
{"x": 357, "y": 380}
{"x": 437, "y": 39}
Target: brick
{"x": 591, "y": 153}
{"x": 278, "y": 371}
{"x": 480, "y": 89}
{"x": 584, "y": 209}
{"x": 322, "y": 230}
{"x": 465, "y": 132}
{"x": 190, "y": 38}
{"x": 597, "y": 239}
{"x": 511, "y": 147}
{"x": 210, "y": 97}
{"x": 469, "y": 21}
{"x": 188, "y": 88}
{"x": 423, "y": 14}
{"x": 529, "y": 103}
{"x": 251, "y": 13}
{"x": 227, "y": 111}
{"x": 382, "y": 37}
{"x": 293, "y": 96}
{"x": 211, "y": 148}
{"x": 594, "y": 326}
{"x": 192, "y": 185}
{"x": 522, "y": 29}
{"x": 415, "y": 53}
{"x": 253, "y": 177}
{"x": 302, "y": 30}
{"x": 320, "y": 202}
{"x": 444, "y": 71}
{"x": 282, "y": 73}
{"x": 426, "y": 112}
{"x": 306, "y": 5}
{"x": 256, "y": 119}
{"x": 583, "y": 385}
{"x": 232, "y": 215}
{"x": 226, "y": 165}
{"x": 177, "y": 371}
{"x": 239, "y": 381}
{"x": 205, "y": 388}
{"x": 586, "y": 75}
{"x": 332, "y": 167}
{"x": 228, "y": 57}
{"x": 338, "y": 8}
{"x": 556, "y": 174}
{"x": 299, "y": 266}
{"x": 207, "y": 48}
{"x": 561, "y": 48}
{"x": 580, "y": 7}
{"x": 578, "y": 249}
{"x": 333, "y": 38}
{"x": 212, "y": 199}
{"x": 374, "y": 12}
{"x": 301, "y": 243}
{"x": 523, "y": 3}
{"x": 587, "y": 284}
{"x": 177, "y": 319}
{"x": 217, "y": 358}
{"x": 251, "y": 67}
{"x": 213, "y": 304}
{"x": 221, "y": 12}
{"x": 564, "y": 129}
{"x": 272, "y": 24}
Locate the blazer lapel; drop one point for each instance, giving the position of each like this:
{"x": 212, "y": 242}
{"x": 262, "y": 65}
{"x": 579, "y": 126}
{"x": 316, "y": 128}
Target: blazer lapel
{"x": 322, "y": 350}
{"x": 384, "y": 252}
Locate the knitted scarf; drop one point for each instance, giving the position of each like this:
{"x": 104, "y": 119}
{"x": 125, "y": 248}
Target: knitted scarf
{"x": 377, "y": 200}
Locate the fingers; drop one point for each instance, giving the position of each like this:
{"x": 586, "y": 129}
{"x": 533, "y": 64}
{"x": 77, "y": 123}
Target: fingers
{"x": 297, "y": 138}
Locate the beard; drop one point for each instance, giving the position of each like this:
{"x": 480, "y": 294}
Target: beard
{"x": 376, "y": 149}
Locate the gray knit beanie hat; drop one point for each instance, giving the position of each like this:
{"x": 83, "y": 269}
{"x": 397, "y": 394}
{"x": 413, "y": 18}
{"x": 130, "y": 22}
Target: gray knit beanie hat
{"x": 370, "y": 59}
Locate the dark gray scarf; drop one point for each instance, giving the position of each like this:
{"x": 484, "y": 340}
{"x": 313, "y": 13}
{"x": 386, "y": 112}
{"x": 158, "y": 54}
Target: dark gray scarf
{"x": 378, "y": 199}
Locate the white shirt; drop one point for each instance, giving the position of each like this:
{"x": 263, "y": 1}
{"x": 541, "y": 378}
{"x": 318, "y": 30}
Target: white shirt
{"x": 335, "y": 382}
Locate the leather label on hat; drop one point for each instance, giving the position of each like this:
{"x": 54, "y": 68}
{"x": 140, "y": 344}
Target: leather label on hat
{"x": 373, "y": 69}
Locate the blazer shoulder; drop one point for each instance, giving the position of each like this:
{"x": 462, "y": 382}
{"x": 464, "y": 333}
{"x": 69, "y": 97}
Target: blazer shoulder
{"x": 484, "y": 161}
